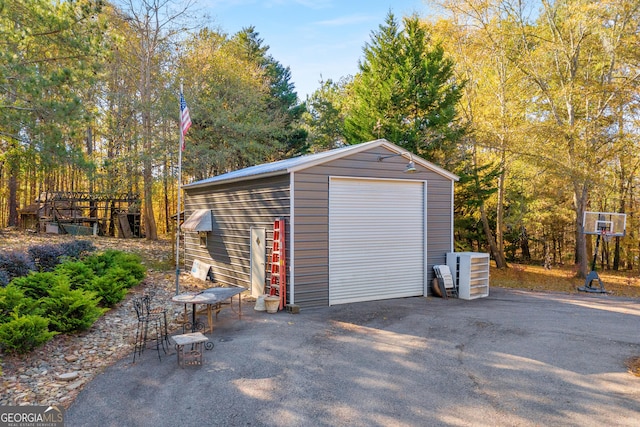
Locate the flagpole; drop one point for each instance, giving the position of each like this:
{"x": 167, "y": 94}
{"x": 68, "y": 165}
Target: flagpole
{"x": 178, "y": 210}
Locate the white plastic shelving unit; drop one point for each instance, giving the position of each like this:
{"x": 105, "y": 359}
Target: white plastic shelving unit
{"x": 470, "y": 272}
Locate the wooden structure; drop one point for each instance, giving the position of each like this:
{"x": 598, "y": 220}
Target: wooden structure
{"x": 83, "y": 213}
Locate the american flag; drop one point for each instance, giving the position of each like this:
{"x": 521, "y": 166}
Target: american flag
{"x": 185, "y": 119}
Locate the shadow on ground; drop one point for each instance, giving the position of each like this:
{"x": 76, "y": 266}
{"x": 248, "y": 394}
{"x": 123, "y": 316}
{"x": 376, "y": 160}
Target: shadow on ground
{"x": 514, "y": 358}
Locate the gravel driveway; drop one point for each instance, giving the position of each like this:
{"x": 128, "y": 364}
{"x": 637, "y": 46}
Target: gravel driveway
{"x": 513, "y": 359}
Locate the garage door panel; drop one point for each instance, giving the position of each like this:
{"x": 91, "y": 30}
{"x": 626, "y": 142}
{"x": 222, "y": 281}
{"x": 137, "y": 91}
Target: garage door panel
{"x": 376, "y": 239}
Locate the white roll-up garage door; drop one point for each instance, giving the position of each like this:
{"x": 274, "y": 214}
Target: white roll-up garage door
{"x": 376, "y": 239}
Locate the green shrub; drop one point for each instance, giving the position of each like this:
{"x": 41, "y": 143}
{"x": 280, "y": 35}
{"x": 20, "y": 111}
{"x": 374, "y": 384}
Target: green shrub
{"x": 122, "y": 276}
{"x": 37, "y": 285}
{"x": 66, "y": 299}
{"x": 12, "y": 300}
{"x": 24, "y": 333}
{"x": 101, "y": 263}
{"x": 80, "y": 275}
{"x": 70, "y": 310}
{"x": 109, "y": 291}
{"x": 132, "y": 263}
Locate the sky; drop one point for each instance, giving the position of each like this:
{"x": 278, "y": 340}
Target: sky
{"x": 316, "y": 39}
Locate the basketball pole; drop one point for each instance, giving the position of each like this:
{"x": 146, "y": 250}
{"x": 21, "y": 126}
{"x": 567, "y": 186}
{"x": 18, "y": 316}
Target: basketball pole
{"x": 604, "y": 225}
{"x": 593, "y": 274}
{"x": 595, "y": 253}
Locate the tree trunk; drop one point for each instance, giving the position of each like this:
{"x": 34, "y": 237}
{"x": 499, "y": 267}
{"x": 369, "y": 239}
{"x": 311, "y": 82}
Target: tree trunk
{"x": 14, "y": 169}
{"x": 147, "y": 172}
{"x": 151, "y": 229}
{"x": 546, "y": 255}
{"x": 495, "y": 253}
{"x": 524, "y": 244}
{"x": 500, "y": 212}
{"x": 580, "y": 203}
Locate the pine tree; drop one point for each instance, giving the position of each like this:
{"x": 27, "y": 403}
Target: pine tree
{"x": 47, "y": 63}
{"x": 283, "y": 100}
{"x": 368, "y": 116}
{"x": 324, "y": 118}
{"x": 405, "y": 92}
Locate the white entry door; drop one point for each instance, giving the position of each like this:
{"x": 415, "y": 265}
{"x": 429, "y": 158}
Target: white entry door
{"x": 377, "y": 239}
{"x": 258, "y": 261}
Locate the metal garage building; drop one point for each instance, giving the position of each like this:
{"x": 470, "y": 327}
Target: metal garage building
{"x": 358, "y": 226}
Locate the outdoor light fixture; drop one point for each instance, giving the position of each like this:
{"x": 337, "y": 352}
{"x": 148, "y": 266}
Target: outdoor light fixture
{"x": 411, "y": 167}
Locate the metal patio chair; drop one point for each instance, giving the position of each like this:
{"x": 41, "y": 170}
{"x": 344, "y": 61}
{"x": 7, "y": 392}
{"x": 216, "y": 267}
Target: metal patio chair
{"x": 147, "y": 320}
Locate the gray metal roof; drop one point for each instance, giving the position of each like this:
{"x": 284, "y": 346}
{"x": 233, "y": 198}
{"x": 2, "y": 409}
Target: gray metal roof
{"x": 302, "y": 162}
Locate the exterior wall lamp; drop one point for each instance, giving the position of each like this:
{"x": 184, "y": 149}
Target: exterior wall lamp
{"x": 410, "y": 168}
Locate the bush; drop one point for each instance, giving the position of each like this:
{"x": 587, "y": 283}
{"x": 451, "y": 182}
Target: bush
{"x": 132, "y": 263}
{"x": 76, "y": 249}
{"x": 45, "y": 257}
{"x": 24, "y": 333}
{"x": 37, "y": 285}
{"x": 78, "y": 273}
{"x": 108, "y": 290}
{"x": 13, "y": 301}
{"x": 70, "y": 310}
{"x": 63, "y": 296}
{"x": 101, "y": 263}
{"x": 15, "y": 264}
{"x": 115, "y": 272}
{"x": 4, "y": 278}
{"x": 42, "y": 258}
{"x": 123, "y": 276}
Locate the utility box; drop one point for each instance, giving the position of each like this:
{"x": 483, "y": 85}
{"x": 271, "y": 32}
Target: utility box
{"x": 470, "y": 271}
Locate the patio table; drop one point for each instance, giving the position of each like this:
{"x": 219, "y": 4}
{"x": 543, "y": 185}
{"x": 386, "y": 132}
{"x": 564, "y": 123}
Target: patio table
{"x": 213, "y": 299}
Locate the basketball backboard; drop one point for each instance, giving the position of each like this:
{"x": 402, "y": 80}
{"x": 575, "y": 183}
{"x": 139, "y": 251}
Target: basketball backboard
{"x": 608, "y": 223}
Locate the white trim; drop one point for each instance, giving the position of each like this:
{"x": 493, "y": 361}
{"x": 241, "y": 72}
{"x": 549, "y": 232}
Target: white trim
{"x": 251, "y": 259}
{"x": 291, "y": 243}
{"x": 425, "y": 233}
{"x": 373, "y": 144}
{"x": 373, "y": 178}
{"x": 345, "y": 151}
{"x": 301, "y": 163}
{"x": 452, "y": 217}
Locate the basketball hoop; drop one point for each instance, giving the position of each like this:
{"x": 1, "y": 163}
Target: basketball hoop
{"x": 604, "y": 225}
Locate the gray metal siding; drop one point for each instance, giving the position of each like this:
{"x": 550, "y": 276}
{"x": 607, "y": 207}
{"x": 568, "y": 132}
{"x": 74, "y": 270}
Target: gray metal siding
{"x": 236, "y": 208}
{"x": 311, "y": 213}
